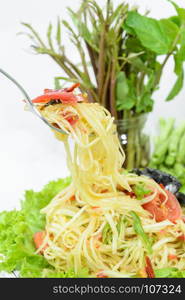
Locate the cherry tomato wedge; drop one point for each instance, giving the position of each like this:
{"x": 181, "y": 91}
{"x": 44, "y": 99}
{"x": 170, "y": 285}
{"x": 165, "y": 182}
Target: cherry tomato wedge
{"x": 162, "y": 210}
{"x": 66, "y": 95}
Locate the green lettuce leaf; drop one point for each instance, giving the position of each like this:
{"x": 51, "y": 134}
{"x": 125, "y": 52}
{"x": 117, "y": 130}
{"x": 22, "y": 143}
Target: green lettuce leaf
{"x": 169, "y": 273}
{"x": 35, "y": 201}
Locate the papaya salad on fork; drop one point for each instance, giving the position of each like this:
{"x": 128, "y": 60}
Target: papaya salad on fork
{"x": 108, "y": 221}
{"x": 114, "y": 223}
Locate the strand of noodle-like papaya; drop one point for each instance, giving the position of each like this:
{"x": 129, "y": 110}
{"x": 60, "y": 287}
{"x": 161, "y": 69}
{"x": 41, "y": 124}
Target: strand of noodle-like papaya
{"x": 79, "y": 247}
{"x": 70, "y": 222}
{"x": 96, "y": 255}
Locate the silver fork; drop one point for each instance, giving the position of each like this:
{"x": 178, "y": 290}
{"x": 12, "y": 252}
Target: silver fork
{"x": 29, "y": 102}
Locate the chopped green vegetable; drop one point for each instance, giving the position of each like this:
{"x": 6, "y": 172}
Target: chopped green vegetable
{"x": 140, "y": 232}
{"x": 141, "y": 190}
{"x": 107, "y": 231}
{"x": 107, "y": 234}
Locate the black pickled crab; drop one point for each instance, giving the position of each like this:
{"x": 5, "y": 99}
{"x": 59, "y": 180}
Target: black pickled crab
{"x": 170, "y": 182}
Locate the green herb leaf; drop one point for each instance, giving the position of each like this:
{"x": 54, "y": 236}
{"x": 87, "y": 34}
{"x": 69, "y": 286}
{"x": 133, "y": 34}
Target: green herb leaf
{"x": 170, "y": 28}
{"x": 176, "y": 20}
{"x": 180, "y": 54}
{"x": 122, "y": 87}
{"x": 82, "y": 28}
{"x": 180, "y": 11}
{"x": 124, "y": 99}
{"x": 177, "y": 87}
{"x": 140, "y": 231}
{"x": 107, "y": 234}
{"x": 133, "y": 43}
{"x": 145, "y": 103}
{"x": 152, "y": 33}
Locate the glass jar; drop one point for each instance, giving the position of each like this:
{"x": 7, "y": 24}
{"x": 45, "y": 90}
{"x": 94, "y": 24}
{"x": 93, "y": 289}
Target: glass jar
{"x": 134, "y": 141}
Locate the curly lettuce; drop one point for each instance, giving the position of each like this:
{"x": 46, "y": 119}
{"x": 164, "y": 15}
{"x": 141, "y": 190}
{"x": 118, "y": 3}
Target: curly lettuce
{"x": 17, "y": 227}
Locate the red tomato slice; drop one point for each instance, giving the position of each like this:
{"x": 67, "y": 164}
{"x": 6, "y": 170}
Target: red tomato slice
{"x": 162, "y": 210}
{"x": 38, "y": 240}
{"x": 64, "y": 97}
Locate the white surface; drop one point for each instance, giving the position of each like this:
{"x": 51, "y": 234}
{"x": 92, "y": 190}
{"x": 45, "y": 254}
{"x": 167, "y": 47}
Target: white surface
{"x": 29, "y": 154}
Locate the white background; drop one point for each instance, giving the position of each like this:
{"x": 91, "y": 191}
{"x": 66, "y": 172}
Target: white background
{"x": 29, "y": 154}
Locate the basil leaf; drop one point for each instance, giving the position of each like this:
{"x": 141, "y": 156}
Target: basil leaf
{"x": 170, "y": 28}
{"x": 145, "y": 103}
{"x": 124, "y": 99}
{"x": 153, "y": 34}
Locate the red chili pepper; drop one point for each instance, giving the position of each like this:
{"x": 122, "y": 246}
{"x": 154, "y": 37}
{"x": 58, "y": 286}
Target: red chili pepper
{"x": 131, "y": 194}
{"x": 104, "y": 191}
{"x": 66, "y": 96}
{"x": 149, "y": 269}
{"x": 172, "y": 256}
{"x": 162, "y": 186}
{"x": 73, "y": 198}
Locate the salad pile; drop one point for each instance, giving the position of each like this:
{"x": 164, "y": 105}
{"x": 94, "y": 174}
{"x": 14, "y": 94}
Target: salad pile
{"x": 17, "y": 229}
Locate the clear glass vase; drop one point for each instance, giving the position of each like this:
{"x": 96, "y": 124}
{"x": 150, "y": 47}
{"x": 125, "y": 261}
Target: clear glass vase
{"x": 135, "y": 141}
